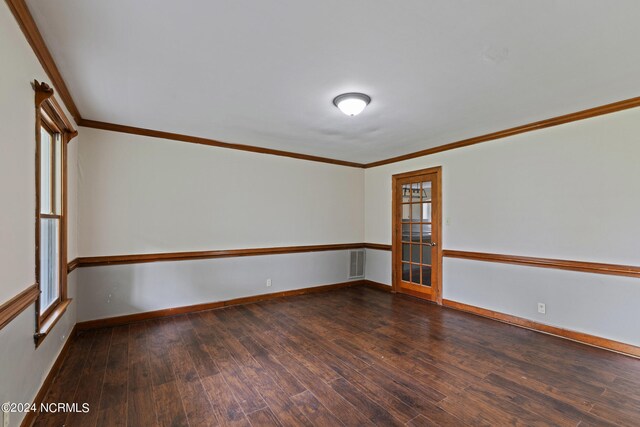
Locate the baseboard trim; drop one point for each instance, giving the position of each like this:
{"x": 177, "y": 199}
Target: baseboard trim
{"x": 174, "y": 311}
{"x": 379, "y": 286}
{"x": 30, "y": 417}
{"x": 592, "y": 340}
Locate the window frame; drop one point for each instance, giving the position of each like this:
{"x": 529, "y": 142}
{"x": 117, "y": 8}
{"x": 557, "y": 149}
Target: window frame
{"x": 50, "y": 117}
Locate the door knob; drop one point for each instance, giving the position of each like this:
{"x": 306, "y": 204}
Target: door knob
{"x": 433, "y": 243}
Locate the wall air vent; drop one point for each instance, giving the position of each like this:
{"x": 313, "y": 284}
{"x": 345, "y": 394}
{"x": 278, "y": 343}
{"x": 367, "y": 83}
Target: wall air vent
{"x": 356, "y": 264}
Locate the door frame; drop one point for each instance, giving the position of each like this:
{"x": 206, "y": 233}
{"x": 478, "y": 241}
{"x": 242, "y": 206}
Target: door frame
{"x": 396, "y": 230}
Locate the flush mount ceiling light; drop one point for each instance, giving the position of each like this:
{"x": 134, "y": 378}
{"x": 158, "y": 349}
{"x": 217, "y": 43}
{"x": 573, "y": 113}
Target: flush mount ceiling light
{"x": 351, "y": 104}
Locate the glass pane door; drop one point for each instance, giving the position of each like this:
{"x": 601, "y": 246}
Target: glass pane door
{"x": 416, "y": 231}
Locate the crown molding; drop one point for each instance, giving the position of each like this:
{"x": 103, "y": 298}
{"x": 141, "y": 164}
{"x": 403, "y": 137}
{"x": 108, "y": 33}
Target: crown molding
{"x": 31, "y": 32}
{"x": 554, "y": 121}
{"x": 34, "y": 37}
{"x": 211, "y": 142}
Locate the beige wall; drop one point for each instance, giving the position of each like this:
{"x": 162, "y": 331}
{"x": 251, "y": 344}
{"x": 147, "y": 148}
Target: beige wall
{"x": 146, "y": 195}
{"x": 22, "y": 366}
{"x": 143, "y": 195}
{"x": 568, "y": 192}
{"x": 17, "y": 158}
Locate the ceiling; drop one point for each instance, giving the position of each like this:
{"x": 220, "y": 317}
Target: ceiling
{"x": 264, "y": 72}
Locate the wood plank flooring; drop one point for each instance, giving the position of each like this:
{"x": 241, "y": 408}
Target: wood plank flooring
{"x": 354, "y": 357}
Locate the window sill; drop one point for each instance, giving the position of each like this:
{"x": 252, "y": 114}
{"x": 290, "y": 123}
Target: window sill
{"x": 51, "y": 321}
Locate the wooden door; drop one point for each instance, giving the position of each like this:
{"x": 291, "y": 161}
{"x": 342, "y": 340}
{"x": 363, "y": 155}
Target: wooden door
{"x": 417, "y": 252}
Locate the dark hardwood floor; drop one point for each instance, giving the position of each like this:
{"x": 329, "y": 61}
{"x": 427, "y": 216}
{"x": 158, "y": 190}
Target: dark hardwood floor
{"x": 356, "y": 357}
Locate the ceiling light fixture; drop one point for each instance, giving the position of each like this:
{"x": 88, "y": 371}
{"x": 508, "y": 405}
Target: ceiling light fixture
{"x": 351, "y": 104}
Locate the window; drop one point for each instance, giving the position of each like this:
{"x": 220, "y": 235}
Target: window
{"x": 50, "y": 218}
{"x": 53, "y": 132}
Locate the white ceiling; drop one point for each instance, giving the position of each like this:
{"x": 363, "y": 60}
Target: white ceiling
{"x": 264, "y": 72}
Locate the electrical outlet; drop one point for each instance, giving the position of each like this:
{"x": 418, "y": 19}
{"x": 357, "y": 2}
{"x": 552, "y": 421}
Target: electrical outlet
{"x": 5, "y": 418}
{"x": 268, "y": 283}
{"x": 542, "y": 308}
